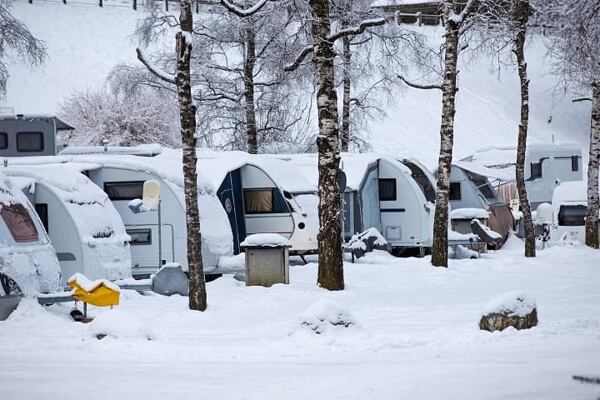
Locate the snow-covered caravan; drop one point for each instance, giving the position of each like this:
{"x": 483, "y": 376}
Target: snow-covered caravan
{"x": 122, "y": 178}
{"x": 262, "y": 194}
{"x": 546, "y": 165}
{"x": 84, "y": 227}
{"x": 26, "y": 255}
{"x": 380, "y": 193}
{"x": 29, "y": 135}
{"x": 569, "y": 206}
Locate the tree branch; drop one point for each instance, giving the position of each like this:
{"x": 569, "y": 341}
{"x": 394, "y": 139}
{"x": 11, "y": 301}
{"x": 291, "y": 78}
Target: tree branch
{"x": 582, "y": 99}
{"x": 417, "y": 86}
{"x": 159, "y": 74}
{"x": 356, "y": 30}
{"x": 305, "y": 52}
{"x": 241, "y": 12}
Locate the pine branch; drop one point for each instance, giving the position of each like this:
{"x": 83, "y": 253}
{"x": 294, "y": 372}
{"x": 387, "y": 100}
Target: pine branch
{"x": 159, "y": 74}
{"x": 418, "y": 86}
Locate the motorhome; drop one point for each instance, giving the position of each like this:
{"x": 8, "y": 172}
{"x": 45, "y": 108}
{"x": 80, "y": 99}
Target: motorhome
{"x": 85, "y": 229}
{"x": 28, "y": 262}
{"x": 30, "y": 135}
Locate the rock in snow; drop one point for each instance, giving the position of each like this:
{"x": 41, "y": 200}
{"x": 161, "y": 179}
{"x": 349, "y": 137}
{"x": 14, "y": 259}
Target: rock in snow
{"x": 515, "y": 309}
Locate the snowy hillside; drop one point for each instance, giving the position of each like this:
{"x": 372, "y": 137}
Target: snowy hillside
{"x": 86, "y": 41}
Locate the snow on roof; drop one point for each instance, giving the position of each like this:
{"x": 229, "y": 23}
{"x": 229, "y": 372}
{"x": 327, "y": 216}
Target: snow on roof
{"x": 140, "y": 150}
{"x": 355, "y": 165}
{"x": 382, "y": 3}
{"x": 7, "y": 194}
{"x": 93, "y": 214}
{"x": 265, "y": 240}
{"x": 570, "y": 192}
{"x": 499, "y": 162}
{"x": 469, "y": 213}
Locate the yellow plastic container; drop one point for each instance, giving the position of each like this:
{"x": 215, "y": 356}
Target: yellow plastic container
{"x": 98, "y": 293}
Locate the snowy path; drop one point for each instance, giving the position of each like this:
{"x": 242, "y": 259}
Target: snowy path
{"x": 417, "y": 337}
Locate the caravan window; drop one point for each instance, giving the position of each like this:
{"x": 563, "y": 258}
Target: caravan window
{"x": 536, "y": 170}
{"x": 42, "y": 211}
{"x": 572, "y": 215}
{"x": 264, "y": 201}
{"x": 124, "y": 190}
{"x": 387, "y": 189}
{"x": 140, "y": 236}
{"x": 574, "y": 163}
{"x": 19, "y": 223}
{"x": 3, "y": 140}
{"x": 30, "y": 141}
{"x": 454, "y": 191}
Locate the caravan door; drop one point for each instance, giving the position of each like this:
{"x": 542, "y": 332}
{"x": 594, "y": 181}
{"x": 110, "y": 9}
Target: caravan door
{"x": 230, "y": 195}
{"x": 369, "y": 198}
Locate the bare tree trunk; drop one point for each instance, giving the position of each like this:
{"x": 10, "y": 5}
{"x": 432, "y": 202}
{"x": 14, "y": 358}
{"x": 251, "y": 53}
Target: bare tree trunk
{"x": 522, "y": 16}
{"x": 187, "y": 110}
{"x": 593, "y": 198}
{"x": 346, "y": 61}
{"x": 331, "y": 268}
{"x": 249, "y": 108}
{"x": 439, "y": 250}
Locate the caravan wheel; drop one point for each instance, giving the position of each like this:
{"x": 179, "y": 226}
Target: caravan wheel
{"x": 10, "y": 296}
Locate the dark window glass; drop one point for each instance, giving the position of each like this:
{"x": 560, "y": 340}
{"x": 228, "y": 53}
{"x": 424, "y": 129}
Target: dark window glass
{"x": 3, "y": 140}
{"x": 264, "y": 201}
{"x": 387, "y": 189}
{"x": 454, "y": 191}
{"x": 536, "y": 170}
{"x": 574, "y": 163}
{"x": 19, "y": 223}
{"x": 422, "y": 180}
{"x": 30, "y": 141}
{"x": 42, "y": 211}
{"x": 572, "y": 215}
{"x": 140, "y": 236}
{"x": 124, "y": 190}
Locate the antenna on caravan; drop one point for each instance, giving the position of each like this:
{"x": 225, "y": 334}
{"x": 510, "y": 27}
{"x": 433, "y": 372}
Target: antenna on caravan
{"x": 105, "y": 144}
{"x": 553, "y": 138}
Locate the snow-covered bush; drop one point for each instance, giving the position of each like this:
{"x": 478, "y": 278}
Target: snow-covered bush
{"x": 122, "y": 120}
{"x": 326, "y": 316}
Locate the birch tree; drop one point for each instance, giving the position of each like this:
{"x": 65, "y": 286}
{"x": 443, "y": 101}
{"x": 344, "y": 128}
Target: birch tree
{"x": 573, "y": 31}
{"x": 331, "y": 270}
{"x": 187, "y": 113}
{"x": 15, "y": 37}
{"x": 503, "y": 26}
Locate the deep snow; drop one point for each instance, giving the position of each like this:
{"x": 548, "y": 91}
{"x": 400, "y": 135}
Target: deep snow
{"x": 413, "y": 334}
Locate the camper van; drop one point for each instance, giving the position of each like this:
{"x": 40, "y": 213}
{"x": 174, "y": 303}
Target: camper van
{"x": 84, "y": 227}
{"x": 569, "y": 206}
{"x": 262, "y": 194}
{"x": 28, "y": 263}
{"x": 30, "y": 135}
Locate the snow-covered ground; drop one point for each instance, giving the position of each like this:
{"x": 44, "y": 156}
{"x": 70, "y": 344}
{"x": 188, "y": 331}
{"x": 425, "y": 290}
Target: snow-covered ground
{"x": 414, "y": 335}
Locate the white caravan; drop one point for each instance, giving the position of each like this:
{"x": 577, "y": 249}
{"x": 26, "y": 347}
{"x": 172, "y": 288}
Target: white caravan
{"x": 569, "y": 206}
{"x": 26, "y": 256}
{"x": 380, "y": 193}
{"x": 84, "y": 227}
{"x": 122, "y": 177}
{"x": 262, "y": 194}
{"x": 546, "y": 165}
